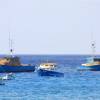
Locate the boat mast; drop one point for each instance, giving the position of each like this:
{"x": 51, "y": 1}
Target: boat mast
{"x": 93, "y": 46}
{"x": 10, "y": 46}
{"x": 93, "y": 49}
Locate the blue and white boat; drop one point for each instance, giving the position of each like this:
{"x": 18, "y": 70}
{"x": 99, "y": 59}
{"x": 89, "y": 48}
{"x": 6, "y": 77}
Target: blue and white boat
{"x": 93, "y": 63}
{"x": 47, "y": 69}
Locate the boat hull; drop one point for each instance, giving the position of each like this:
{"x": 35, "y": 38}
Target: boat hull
{"x": 5, "y": 68}
{"x": 90, "y": 68}
{"x": 43, "y": 72}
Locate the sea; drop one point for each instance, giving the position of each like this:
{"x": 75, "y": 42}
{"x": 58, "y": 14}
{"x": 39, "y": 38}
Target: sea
{"x": 75, "y": 85}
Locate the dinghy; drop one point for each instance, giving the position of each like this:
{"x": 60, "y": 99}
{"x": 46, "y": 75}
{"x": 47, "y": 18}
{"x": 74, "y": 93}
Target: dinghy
{"x": 8, "y": 76}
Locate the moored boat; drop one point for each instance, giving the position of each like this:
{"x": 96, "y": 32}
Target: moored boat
{"x": 47, "y": 69}
{"x": 92, "y": 65}
{"x": 13, "y": 64}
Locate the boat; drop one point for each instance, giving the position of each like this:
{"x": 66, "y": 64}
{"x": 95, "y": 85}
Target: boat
{"x": 8, "y": 76}
{"x": 93, "y": 63}
{"x": 47, "y": 69}
{"x": 12, "y": 63}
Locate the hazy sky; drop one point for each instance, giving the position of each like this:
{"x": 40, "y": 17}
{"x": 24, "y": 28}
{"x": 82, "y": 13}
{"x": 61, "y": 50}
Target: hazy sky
{"x": 49, "y": 26}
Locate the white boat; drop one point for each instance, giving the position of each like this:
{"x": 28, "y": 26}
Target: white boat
{"x": 8, "y": 76}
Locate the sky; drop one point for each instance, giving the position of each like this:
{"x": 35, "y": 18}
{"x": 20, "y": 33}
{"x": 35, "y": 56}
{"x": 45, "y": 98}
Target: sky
{"x": 49, "y": 26}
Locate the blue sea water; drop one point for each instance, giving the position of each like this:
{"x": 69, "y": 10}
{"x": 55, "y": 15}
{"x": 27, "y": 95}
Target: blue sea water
{"x": 75, "y": 85}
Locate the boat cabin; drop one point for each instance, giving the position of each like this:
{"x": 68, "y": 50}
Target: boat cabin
{"x": 10, "y": 61}
{"x": 96, "y": 60}
{"x": 47, "y": 66}
{"x": 92, "y": 61}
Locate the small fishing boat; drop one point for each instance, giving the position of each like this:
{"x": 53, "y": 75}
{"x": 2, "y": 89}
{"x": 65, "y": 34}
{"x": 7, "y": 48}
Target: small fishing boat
{"x": 13, "y": 64}
{"x": 47, "y": 69}
{"x": 93, "y": 63}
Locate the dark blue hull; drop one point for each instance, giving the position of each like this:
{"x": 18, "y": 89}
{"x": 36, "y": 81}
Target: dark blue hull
{"x": 42, "y": 72}
{"x": 90, "y": 68}
{"x": 5, "y": 68}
